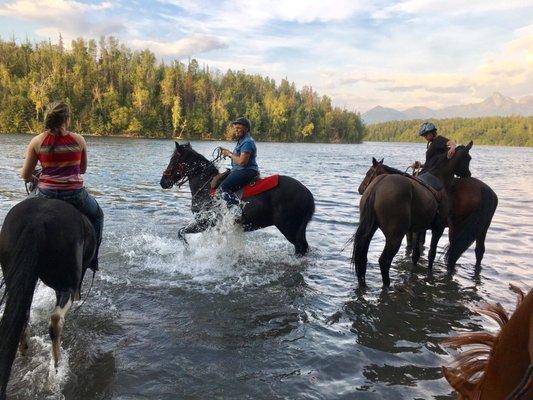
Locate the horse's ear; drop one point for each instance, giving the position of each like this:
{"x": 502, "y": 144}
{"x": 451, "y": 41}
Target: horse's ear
{"x": 469, "y": 145}
{"x": 461, "y": 385}
{"x": 374, "y": 162}
{"x": 381, "y": 161}
{"x": 177, "y": 145}
{"x": 188, "y": 145}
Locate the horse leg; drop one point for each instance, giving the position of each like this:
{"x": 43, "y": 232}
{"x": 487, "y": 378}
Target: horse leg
{"x": 392, "y": 245}
{"x": 409, "y": 246}
{"x": 24, "y": 337}
{"x": 360, "y": 255}
{"x": 436, "y": 233}
{"x": 290, "y": 231}
{"x": 57, "y": 320}
{"x": 301, "y": 241}
{"x": 480, "y": 249}
{"x": 195, "y": 227}
{"x": 415, "y": 255}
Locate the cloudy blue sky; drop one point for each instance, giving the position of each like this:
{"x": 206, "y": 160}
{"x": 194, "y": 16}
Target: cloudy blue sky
{"x": 361, "y": 53}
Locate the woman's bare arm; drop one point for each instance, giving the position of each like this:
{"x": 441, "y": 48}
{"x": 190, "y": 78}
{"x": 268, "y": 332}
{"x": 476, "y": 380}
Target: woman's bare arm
{"x": 29, "y": 162}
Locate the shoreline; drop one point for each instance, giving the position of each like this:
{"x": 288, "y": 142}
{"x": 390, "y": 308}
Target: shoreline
{"x": 129, "y": 136}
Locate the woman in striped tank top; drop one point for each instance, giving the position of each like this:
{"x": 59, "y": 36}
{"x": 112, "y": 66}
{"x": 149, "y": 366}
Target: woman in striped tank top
{"x": 63, "y": 158}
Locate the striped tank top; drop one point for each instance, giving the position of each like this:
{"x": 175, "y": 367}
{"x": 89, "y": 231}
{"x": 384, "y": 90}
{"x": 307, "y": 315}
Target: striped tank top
{"x": 60, "y": 158}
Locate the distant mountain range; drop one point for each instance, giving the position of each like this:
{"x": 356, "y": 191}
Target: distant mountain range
{"x": 495, "y": 105}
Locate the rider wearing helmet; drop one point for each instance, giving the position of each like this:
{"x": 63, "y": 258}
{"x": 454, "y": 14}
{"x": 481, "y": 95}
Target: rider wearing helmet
{"x": 244, "y": 167}
{"x": 436, "y": 145}
{"x": 63, "y": 157}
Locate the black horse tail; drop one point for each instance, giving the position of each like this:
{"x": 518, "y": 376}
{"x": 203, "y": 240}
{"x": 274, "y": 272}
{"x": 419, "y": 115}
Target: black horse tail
{"x": 367, "y": 223}
{"x": 21, "y": 279}
{"x": 476, "y": 224}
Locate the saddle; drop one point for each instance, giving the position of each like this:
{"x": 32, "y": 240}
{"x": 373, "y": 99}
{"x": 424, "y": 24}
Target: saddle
{"x": 431, "y": 183}
{"x": 256, "y": 186}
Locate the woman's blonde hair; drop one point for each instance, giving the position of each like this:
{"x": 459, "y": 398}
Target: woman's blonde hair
{"x": 56, "y": 114}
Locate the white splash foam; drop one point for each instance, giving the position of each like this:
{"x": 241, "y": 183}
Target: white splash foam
{"x": 222, "y": 258}
{"x": 37, "y": 376}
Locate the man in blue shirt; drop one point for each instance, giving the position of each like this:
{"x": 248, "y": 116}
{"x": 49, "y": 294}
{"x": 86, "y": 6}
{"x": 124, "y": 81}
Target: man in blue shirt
{"x": 244, "y": 167}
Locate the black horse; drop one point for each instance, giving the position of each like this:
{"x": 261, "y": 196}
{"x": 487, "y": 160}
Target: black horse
{"x": 289, "y": 206}
{"x": 397, "y": 205}
{"x": 40, "y": 239}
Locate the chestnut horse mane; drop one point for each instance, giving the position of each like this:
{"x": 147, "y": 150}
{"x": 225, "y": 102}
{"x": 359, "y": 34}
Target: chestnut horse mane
{"x": 469, "y": 365}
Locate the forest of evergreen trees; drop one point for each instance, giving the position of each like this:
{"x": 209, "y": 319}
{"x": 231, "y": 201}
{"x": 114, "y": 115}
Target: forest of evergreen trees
{"x": 113, "y": 90}
{"x": 507, "y": 131}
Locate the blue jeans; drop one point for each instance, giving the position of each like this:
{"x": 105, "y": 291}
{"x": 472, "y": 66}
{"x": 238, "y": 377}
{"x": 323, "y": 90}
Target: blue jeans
{"x": 236, "y": 180}
{"x": 86, "y": 204}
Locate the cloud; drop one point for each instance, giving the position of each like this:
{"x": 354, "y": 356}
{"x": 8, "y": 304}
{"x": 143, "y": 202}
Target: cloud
{"x": 454, "y": 7}
{"x": 44, "y": 10}
{"x": 361, "y": 53}
{"x": 70, "y": 18}
{"x": 255, "y": 13}
{"x": 186, "y": 47}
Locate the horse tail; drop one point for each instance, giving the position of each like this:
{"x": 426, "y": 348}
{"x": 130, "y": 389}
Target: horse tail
{"x": 21, "y": 278}
{"x": 476, "y": 224}
{"x": 367, "y": 223}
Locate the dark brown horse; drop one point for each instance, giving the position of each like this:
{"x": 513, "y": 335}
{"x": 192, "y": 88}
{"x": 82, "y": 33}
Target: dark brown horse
{"x": 497, "y": 366}
{"x": 397, "y": 205}
{"x": 473, "y": 204}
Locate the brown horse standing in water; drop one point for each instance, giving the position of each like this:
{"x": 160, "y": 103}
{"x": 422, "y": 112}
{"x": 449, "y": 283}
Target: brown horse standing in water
{"x": 397, "y": 205}
{"x": 473, "y": 204}
{"x": 499, "y": 366}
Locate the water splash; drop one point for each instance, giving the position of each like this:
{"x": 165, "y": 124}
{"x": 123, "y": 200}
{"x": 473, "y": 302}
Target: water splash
{"x": 221, "y": 259}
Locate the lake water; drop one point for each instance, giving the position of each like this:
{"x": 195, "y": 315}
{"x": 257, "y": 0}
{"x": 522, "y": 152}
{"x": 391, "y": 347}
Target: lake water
{"x": 238, "y": 315}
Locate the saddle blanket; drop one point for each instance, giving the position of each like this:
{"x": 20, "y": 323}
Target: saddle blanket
{"x": 256, "y": 187}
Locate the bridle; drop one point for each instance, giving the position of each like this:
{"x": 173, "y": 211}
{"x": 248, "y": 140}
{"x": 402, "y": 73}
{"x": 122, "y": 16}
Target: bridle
{"x": 180, "y": 166}
{"x": 185, "y": 176}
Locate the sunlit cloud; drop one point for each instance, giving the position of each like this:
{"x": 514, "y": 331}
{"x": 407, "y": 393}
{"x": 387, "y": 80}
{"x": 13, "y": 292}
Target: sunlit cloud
{"x": 49, "y": 9}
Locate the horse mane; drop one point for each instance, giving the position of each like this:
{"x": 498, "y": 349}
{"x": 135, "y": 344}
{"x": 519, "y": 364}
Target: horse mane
{"x": 470, "y": 365}
{"x": 197, "y": 157}
{"x": 392, "y": 170}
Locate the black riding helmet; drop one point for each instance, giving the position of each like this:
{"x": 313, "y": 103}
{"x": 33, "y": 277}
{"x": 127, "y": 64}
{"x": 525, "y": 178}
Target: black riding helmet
{"x": 427, "y": 127}
{"x": 244, "y": 122}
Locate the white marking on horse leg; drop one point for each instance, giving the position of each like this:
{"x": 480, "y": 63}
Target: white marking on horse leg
{"x": 57, "y": 320}
{"x": 24, "y": 340}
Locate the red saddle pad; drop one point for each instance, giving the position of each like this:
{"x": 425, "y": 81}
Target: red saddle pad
{"x": 254, "y": 188}
{"x": 260, "y": 186}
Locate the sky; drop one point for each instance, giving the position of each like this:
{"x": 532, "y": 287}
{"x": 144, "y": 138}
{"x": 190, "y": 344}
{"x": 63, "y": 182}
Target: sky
{"x": 360, "y": 53}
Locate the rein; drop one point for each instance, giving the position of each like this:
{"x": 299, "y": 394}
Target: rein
{"x": 87, "y": 296}
{"x": 413, "y": 177}
{"x": 217, "y": 154}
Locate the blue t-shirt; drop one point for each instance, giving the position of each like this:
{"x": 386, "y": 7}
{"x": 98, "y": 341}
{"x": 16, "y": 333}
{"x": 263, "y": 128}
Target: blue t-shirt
{"x": 246, "y": 145}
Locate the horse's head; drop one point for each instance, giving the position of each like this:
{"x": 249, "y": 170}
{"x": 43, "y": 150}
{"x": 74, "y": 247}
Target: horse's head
{"x": 177, "y": 167}
{"x": 375, "y": 170}
{"x": 461, "y": 161}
